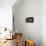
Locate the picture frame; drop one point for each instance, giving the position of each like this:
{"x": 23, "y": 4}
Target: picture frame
{"x": 29, "y": 20}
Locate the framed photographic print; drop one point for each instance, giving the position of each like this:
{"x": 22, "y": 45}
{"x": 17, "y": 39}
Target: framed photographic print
{"x": 29, "y": 20}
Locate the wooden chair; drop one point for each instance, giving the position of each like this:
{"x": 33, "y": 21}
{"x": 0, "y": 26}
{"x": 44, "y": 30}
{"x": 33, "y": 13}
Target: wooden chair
{"x": 29, "y": 43}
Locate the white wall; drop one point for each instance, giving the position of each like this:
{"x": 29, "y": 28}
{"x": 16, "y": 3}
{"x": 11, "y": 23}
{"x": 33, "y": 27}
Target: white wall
{"x": 6, "y": 13}
{"x": 43, "y": 22}
{"x": 29, "y": 8}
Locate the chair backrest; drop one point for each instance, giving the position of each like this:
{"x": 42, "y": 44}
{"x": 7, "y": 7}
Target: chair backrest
{"x": 29, "y": 43}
